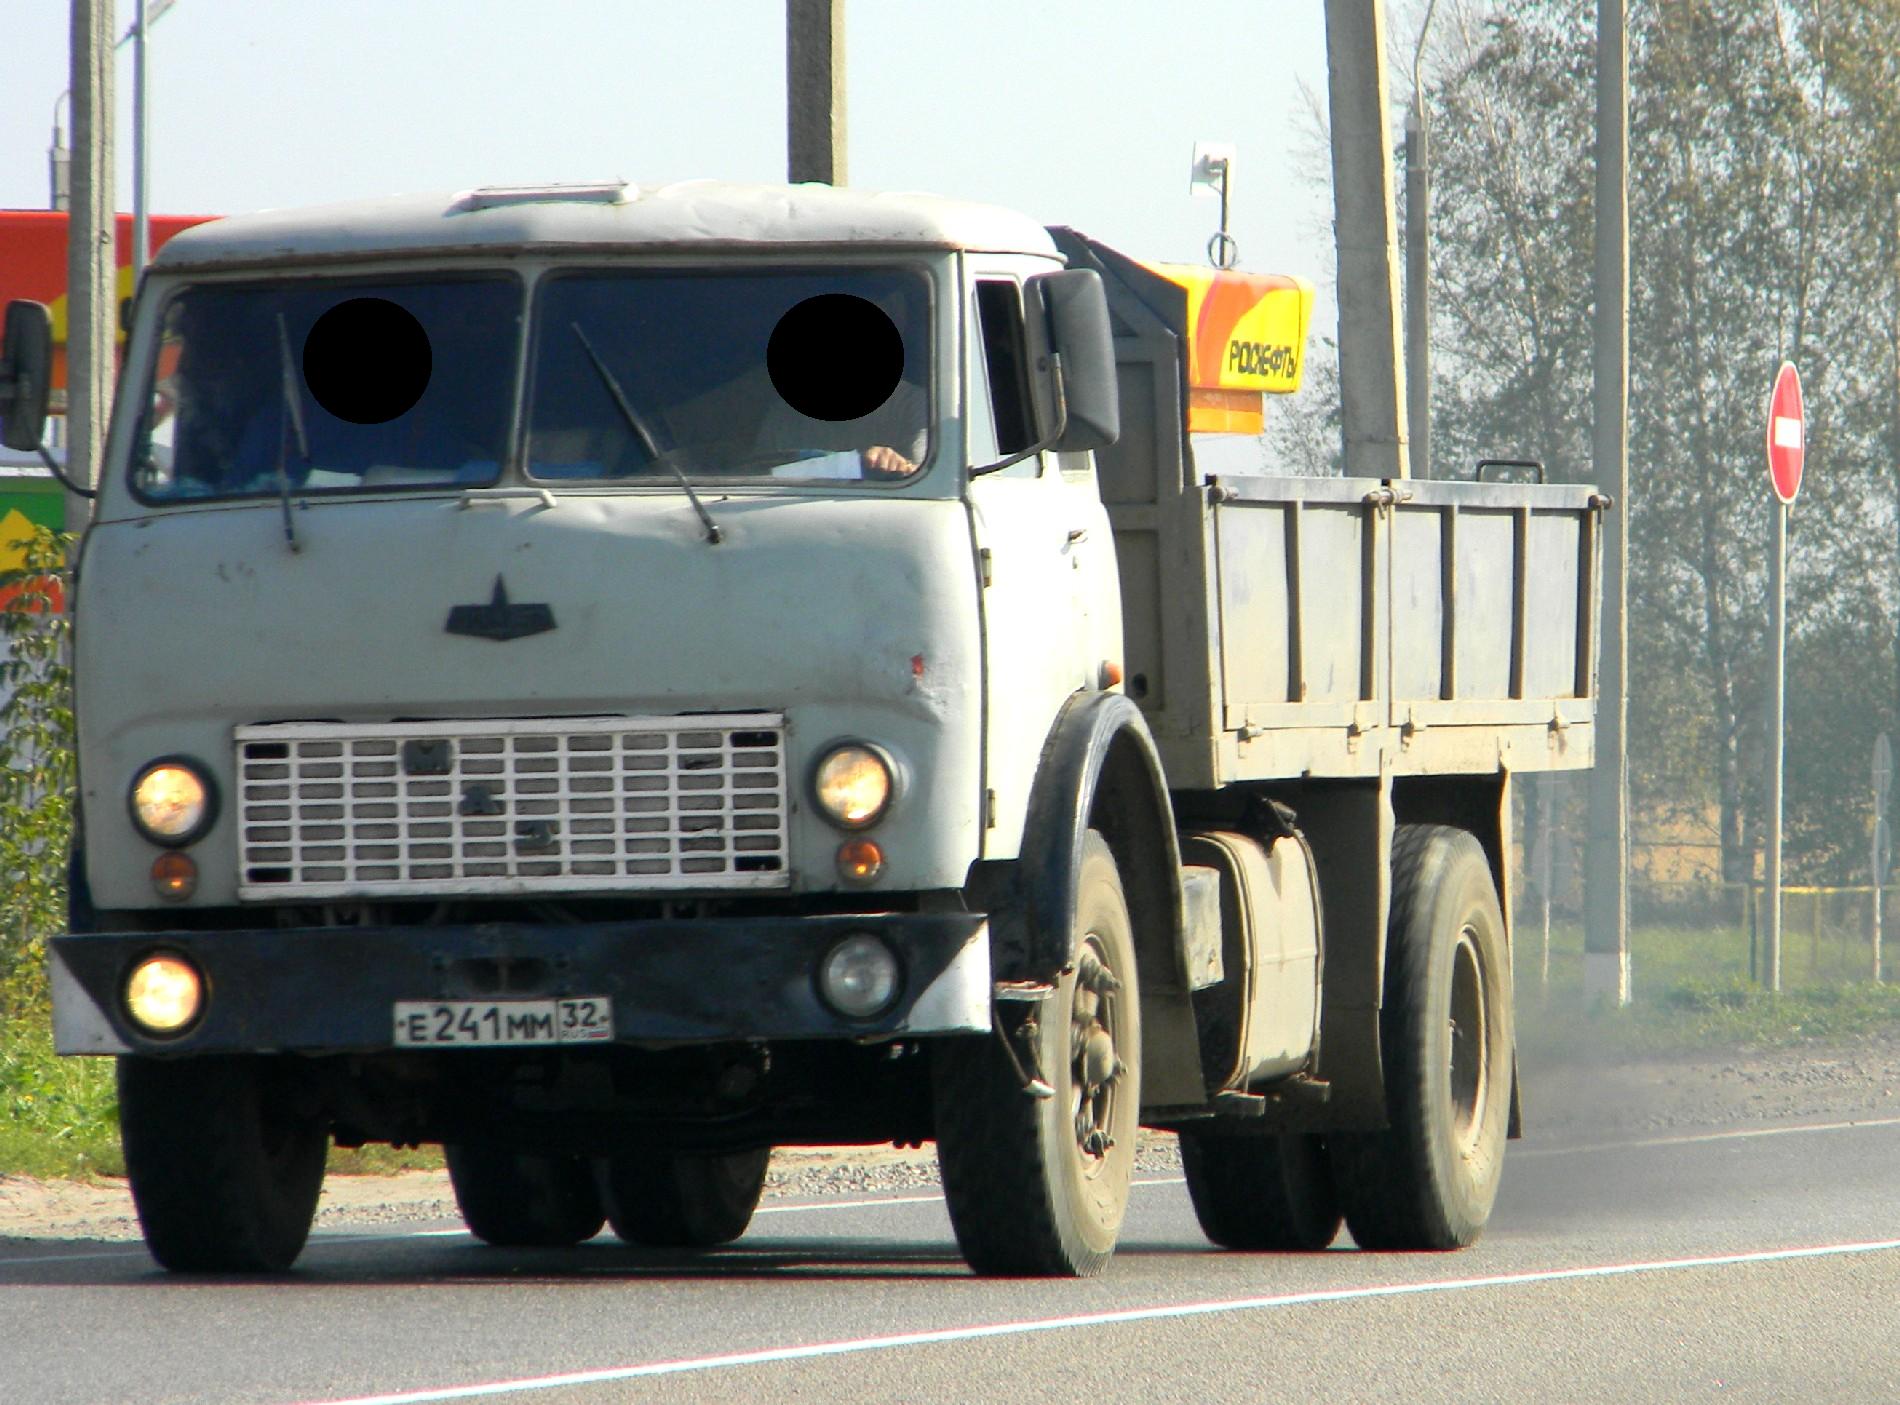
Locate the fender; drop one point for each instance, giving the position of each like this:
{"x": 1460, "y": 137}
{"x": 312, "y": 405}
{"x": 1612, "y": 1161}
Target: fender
{"x": 1100, "y": 770}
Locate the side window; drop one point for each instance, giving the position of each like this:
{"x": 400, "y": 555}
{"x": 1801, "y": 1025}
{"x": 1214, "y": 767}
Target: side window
{"x": 999, "y": 305}
{"x": 980, "y": 417}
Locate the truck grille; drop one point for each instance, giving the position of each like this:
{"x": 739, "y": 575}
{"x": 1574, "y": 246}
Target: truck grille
{"x": 549, "y": 805}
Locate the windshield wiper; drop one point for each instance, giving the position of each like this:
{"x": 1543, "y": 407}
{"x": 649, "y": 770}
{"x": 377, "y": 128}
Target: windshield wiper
{"x": 293, "y": 410}
{"x": 640, "y": 431}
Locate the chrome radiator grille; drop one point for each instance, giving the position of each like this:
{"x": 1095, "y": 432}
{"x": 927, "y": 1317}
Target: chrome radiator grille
{"x": 548, "y": 805}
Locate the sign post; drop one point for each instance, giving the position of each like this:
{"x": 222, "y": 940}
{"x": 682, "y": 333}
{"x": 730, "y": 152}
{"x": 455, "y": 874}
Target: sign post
{"x": 1787, "y": 452}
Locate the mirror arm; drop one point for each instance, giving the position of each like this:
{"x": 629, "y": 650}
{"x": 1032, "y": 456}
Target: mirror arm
{"x": 53, "y": 467}
{"x": 1041, "y": 445}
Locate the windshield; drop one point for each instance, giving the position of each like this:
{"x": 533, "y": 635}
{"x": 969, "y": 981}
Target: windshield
{"x": 330, "y": 386}
{"x": 793, "y": 374}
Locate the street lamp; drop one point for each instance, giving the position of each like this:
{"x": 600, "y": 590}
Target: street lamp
{"x": 59, "y": 159}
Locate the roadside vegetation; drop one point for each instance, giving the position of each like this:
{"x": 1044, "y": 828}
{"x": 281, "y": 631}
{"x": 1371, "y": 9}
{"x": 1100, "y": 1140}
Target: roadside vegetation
{"x": 1690, "y": 988}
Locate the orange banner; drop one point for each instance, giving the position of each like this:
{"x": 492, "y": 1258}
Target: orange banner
{"x": 33, "y": 264}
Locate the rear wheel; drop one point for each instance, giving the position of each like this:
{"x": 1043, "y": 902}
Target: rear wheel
{"x": 225, "y": 1161}
{"x": 1261, "y": 1192}
{"x": 686, "y": 1202}
{"x": 1039, "y": 1186}
{"x": 1429, "y": 1180}
{"x": 514, "y": 1200}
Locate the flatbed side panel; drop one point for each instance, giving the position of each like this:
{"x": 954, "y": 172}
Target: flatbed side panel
{"x": 1302, "y": 601}
{"x": 1446, "y": 625}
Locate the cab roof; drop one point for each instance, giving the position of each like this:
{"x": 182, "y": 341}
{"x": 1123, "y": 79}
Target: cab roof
{"x": 689, "y": 215}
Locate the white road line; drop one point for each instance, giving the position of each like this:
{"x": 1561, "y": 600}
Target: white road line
{"x": 849, "y": 1204}
{"x": 816, "y": 1350}
{"x": 139, "y": 1253}
{"x": 1692, "y": 1138}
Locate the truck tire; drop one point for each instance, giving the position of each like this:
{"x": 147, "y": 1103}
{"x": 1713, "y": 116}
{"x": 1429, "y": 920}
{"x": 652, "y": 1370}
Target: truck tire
{"x": 1039, "y": 1186}
{"x": 225, "y": 1166}
{"x": 1261, "y": 1192}
{"x": 670, "y": 1201}
{"x": 1429, "y": 1180}
{"x": 518, "y": 1201}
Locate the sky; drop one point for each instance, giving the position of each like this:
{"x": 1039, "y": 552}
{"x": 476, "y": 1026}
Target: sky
{"x": 1074, "y": 113}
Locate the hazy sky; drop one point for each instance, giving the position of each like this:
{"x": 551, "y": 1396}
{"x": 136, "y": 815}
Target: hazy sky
{"x": 1082, "y": 113}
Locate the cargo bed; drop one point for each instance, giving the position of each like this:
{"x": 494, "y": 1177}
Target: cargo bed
{"x": 1283, "y": 627}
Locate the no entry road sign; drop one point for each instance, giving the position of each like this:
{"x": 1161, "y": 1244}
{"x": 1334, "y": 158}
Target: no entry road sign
{"x": 1787, "y": 433}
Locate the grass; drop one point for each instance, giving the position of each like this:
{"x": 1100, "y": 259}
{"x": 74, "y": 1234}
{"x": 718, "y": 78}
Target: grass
{"x": 1691, "y": 988}
{"x": 59, "y": 1117}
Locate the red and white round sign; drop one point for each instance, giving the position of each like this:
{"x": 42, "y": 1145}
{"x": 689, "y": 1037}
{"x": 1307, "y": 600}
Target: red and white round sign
{"x": 1787, "y": 433}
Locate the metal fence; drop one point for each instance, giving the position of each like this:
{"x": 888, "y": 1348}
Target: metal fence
{"x": 1717, "y": 931}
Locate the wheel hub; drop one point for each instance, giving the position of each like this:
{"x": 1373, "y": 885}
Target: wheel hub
{"x": 1470, "y": 1072}
{"x": 1095, "y": 1067}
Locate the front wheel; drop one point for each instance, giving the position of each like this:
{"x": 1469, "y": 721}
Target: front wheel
{"x": 673, "y": 1201}
{"x": 1429, "y": 1180}
{"x": 225, "y": 1160}
{"x": 1040, "y": 1186}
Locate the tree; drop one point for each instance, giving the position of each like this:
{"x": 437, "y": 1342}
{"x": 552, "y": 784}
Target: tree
{"x": 1749, "y": 245}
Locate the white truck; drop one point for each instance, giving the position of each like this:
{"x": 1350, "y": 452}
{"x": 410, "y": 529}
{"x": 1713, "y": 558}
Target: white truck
{"x": 614, "y": 679}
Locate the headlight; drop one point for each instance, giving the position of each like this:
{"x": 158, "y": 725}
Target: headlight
{"x": 859, "y": 977}
{"x": 172, "y": 802}
{"x": 164, "y": 994}
{"x": 853, "y": 785}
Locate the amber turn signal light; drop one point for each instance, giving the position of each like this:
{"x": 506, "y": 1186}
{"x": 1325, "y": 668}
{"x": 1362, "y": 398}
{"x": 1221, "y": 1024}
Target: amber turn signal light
{"x": 174, "y": 876}
{"x": 859, "y": 860}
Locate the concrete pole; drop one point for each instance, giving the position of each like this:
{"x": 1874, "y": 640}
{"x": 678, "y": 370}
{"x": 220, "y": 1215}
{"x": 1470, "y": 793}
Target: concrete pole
{"x": 1606, "y": 959}
{"x": 1777, "y": 696}
{"x": 1418, "y": 290}
{"x": 91, "y": 274}
{"x": 1365, "y": 228}
{"x": 814, "y": 91}
{"x": 141, "y": 149}
{"x": 1418, "y": 261}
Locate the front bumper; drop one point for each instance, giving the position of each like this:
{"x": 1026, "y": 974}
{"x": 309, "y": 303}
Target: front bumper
{"x": 334, "y": 989}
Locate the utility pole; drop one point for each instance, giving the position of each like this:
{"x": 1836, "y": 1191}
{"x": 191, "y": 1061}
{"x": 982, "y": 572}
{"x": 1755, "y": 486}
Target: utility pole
{"x": 1418, "y": 262}
{"x": 59, "y": 164}
{"x": 91, "y": 282}
{"x": 1365, "y": 228}
{"x": 1606, "y": 962}
{"x": 814, "y": 91}
{"x": 141, "y": 145}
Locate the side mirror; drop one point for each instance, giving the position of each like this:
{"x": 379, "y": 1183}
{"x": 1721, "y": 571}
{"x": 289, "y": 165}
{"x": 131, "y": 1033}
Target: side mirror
{"x": 26, "y": 374}
{"x": 1075, "y": 312}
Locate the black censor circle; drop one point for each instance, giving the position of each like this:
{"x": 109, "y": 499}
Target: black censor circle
{"x": 367, "y": 360}
{"x": 835, "y": 356}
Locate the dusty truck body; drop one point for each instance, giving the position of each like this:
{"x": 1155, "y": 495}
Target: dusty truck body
{"x": 719, "y": 667}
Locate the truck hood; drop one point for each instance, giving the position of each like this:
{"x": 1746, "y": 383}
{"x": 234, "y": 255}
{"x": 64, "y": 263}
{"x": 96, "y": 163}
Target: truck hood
{"x": 850, "y": 616}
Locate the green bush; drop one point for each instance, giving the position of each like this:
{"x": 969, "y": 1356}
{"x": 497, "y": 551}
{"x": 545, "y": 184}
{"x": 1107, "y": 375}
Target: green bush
{"x": 37, "y": 769}
{"x": 57, "y": 1116}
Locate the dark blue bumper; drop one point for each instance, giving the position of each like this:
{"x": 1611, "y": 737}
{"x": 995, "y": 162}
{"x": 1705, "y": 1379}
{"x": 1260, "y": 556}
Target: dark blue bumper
{"x": 334, "y": 990}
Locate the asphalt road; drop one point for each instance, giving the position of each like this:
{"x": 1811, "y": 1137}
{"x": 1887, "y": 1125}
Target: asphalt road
{"x": 1754, "y": 1263}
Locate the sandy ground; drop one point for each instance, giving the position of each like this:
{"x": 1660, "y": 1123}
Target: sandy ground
{"x": 1566, "y": 1098}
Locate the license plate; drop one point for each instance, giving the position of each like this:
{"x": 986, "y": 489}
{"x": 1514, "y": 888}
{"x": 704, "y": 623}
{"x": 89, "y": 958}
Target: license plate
{"x": 484, "y": 1024}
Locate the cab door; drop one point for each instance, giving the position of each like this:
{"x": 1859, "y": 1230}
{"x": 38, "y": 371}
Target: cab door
{"x": 1034, "y": 532}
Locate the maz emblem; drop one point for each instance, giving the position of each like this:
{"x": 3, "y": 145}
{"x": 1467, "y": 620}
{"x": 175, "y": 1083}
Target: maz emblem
{"x": 500, "y": 618}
